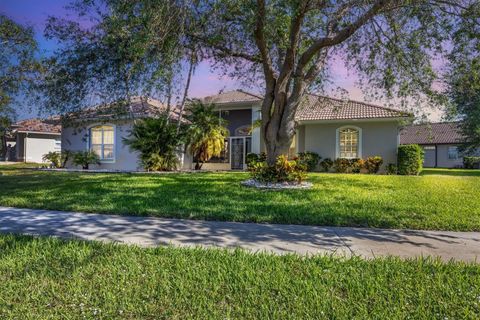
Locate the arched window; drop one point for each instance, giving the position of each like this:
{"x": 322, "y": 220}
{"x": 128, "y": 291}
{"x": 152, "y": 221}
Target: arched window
{"x": 349, "y": 143}
{"x": 102, "y": 142}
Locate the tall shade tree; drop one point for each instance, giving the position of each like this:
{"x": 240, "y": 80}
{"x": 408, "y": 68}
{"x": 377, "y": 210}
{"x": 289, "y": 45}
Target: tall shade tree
{"x": 112, "y": 51}
{"x": 463, "y": 79}
{"x": 17, "y": 67}
{"x": 290, "y": 43}
{"x": 206, "y": 133}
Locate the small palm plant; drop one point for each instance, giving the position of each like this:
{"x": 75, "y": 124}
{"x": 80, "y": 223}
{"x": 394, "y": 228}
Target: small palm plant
{"x": 85, "y": 158}
{"x": 206, "y": 133}
{"x": 158, "y": 142}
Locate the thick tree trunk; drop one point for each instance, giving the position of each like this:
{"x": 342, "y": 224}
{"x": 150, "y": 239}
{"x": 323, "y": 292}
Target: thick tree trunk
{"x": 279, "y": 130}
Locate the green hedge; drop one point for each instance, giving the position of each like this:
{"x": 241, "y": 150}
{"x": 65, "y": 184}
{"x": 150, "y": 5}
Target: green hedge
{"x": 410, "y": 159}
{"x": 471, "y": 162}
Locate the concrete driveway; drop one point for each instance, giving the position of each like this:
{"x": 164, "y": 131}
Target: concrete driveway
{"x": 276, "y": 238}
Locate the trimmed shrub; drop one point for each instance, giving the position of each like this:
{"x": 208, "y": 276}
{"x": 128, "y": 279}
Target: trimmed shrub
{"x": 391, "y": 169}
{"x": 410, "y": 159}
{"x": 309, "y": 159}
{"x": 342, "y": 165}
{"x": 251, "y": 159}
{"x": 356, "y": 165}
{"x": 85, "y": 158}
{"x": 471, "y": 162}
{"x": 326, "y": 164}
{"x": 284, "y": 170}
{"x": 53, "y": 157}
{"x": 373, "y": 164}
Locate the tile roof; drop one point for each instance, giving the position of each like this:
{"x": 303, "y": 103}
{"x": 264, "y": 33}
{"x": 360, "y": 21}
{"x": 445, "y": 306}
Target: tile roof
{"x": 325, "y": 108}
{"x": 318, "y": 107}
{"x": 139, "y": 108}
{"x": 432, "y": 133}
{"x": 236, "y": 96}
{"x": 50, "y": 125}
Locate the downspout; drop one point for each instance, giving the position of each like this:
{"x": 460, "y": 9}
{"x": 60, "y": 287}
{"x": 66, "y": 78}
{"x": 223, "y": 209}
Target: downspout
{"x": 25, "y": 147}
{"x": 436, "y": 156}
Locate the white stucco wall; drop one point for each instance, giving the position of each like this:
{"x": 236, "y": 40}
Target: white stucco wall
{"x": 76, "y": 139}
{"x": 378, "y": 138}
{"x": 32, "y": 146}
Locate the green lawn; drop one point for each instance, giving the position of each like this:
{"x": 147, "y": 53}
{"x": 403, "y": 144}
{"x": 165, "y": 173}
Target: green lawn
{"x": 451, "y": 172}
{"x": 425, "y": 202}
{"x": 45, "y": 278}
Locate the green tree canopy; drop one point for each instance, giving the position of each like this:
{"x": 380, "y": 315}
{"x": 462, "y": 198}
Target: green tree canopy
{"x": 113, "y": 50}
{"x": 289, "y": 44}
{"x": 463, "y": 79}
{"x": 17, "y": 68}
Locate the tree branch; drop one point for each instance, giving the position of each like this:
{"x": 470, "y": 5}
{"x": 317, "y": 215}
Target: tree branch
{"x": 340, "y": 36}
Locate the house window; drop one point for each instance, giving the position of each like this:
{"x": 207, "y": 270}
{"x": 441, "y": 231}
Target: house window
{"x": 58, "y": 145}
{"x": 102, "y": 142}
{"x": 349, "y": 143}
{"x": 452, "y": 153}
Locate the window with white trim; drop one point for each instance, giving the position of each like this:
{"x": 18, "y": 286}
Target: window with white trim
{"x": 452, "y": 153}
{"x": 348, "y": 141}
{"x": 102, "y": 142}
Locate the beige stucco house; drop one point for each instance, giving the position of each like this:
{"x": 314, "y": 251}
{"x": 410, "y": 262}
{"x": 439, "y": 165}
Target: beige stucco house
{"x": 332, "y": 128}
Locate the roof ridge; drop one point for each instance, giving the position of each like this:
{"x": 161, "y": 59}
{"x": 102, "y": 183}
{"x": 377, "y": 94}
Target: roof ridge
{"x": 440, "y": 122}
{"x": 360, "y": 102}
{"x": 249, "y": 93}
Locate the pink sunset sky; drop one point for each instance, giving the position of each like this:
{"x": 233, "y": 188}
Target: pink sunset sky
{"x": 204, "y": 82}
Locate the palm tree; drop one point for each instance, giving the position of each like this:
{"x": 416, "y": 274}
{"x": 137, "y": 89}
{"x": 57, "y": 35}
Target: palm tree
{"x": 206, "y": 133}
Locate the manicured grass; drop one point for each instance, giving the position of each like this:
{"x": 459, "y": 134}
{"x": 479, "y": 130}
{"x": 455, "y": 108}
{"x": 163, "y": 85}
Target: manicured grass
{"x": 45, "y": 278}
{"x": 425, "y": 202}
{"x": 451, "y": 172}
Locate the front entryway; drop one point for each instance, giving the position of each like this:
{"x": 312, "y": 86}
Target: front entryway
{"x": 239, "y": 148}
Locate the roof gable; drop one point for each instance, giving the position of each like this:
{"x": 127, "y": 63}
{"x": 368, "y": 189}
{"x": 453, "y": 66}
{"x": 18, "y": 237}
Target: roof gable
{"x": 316, "y": 108}
{"x": 235, "y": 96}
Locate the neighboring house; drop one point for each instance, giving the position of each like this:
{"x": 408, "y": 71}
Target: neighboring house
{"x": 440, "y": 141}
{"x": 36, "y": 137}
{"x": 332, "y": 128}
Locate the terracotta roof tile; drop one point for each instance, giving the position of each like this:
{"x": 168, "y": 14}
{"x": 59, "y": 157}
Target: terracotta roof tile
{"x": 139, "y": 108}
{"x": 433, "y": 133}
{"x": 232, "y": 97}
{"x": 318, "y": 107}
{"x": 325, "y": 108}
{"x": 38, "y": 125}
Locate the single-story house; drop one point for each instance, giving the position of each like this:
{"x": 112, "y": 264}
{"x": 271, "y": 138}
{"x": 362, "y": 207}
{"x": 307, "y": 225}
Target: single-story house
{"x": 332, "y": 128}
{"x": 440, "y": 142}
{"x": 36, "y": 137}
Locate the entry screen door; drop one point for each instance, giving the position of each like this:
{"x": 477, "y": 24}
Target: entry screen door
{"x": 237, "y": 146}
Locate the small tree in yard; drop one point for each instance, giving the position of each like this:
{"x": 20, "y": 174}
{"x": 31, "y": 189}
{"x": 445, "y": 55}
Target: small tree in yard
{"x": 158, "y": 142}
{"x": 206, "y": 133}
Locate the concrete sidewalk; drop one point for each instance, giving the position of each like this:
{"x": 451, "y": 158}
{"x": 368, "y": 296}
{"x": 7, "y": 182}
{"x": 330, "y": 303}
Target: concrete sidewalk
{"x": 148, "y": 231}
